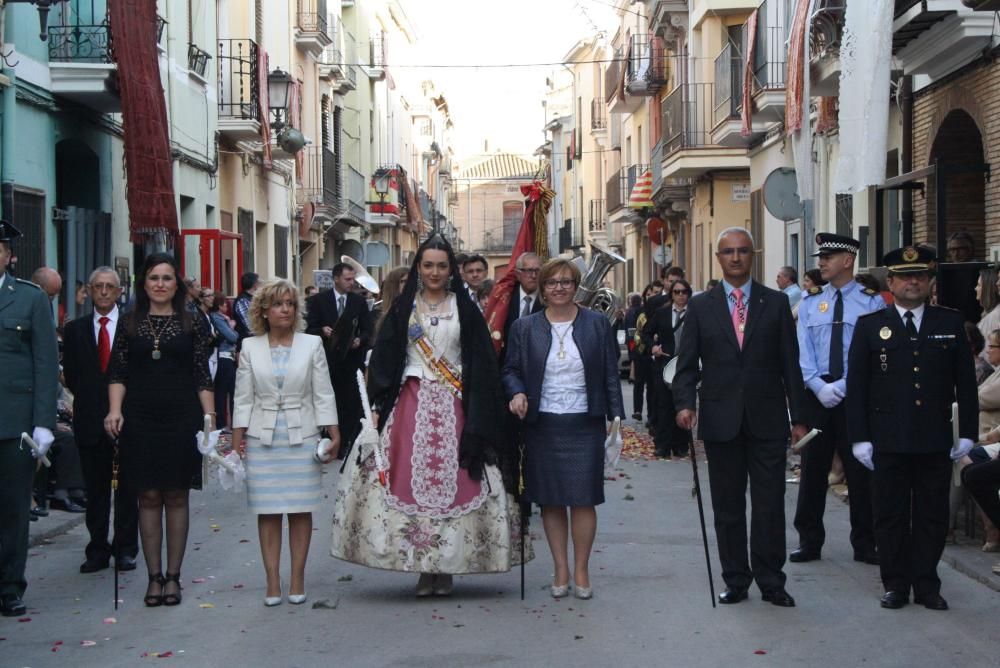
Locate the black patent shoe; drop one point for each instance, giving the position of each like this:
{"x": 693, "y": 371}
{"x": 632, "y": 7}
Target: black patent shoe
{"x": 802, "y": 555}
{"x": 894, "y": 600}
{"x": 732, "y": 596}
{"x": 931, "y": 602}
{"x": 11, "y": 605}
{"x": 779, "y": 597}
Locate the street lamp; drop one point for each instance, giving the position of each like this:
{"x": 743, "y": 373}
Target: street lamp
{"x": 43, "y": 13}
{"x": 279, "y": 88}
{"x": 380, "y": 181}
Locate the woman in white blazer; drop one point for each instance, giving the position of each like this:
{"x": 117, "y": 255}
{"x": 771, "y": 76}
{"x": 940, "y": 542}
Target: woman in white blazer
{"x": 283, "y": 399}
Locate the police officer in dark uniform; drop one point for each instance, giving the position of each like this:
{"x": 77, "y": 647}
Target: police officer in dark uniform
{"x": 28, "y": 383}
{"x": 908, "y": 364}
{"x": 827, "y": 317}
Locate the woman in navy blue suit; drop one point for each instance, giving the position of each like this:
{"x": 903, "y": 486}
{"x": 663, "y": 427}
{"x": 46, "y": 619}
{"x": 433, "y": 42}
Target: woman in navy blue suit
{"x": 561, "y": 376}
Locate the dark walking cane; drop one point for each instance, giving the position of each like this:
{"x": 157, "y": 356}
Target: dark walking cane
{"x": 525, "y": 510}
{"x": 701, "y": 513}
{"x": 114, "y": 493}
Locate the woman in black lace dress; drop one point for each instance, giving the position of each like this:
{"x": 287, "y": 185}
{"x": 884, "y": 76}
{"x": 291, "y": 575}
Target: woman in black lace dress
{"x": 160, "y": 388}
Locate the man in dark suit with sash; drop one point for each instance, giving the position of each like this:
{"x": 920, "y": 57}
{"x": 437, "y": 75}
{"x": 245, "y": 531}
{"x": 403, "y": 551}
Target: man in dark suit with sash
{"x": 743, "y": 335}
{"x": 29, "y": 360}
{"x": 908, "y": 364}
{"x": 87, "y": 345}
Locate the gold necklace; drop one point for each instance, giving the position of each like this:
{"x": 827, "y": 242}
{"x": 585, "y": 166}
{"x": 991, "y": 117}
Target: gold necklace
{"x": 561, "y": 353}
{"x": 157, "y": 333}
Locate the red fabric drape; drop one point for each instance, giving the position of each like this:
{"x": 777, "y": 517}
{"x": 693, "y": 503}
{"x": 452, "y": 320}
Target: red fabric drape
{"x": 797, "y": 58}
{"x": 746, "y": 103}
{"x": 148, "y": 165}
{"x": 827, "y": 120}
{"x": 530, "y": 238}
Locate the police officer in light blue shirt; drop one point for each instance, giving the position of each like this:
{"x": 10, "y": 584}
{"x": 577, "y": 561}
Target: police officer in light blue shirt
{"x": 827, "y": 316}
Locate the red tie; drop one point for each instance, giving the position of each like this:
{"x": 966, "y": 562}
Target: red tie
{"x": 103, "y": 344}
{"x": 739, "y": 315}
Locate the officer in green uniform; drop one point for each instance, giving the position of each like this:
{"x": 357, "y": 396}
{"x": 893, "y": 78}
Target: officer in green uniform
{"x": 29, "y": 379}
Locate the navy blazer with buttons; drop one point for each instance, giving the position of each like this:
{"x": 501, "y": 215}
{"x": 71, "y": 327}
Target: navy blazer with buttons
{"x": 527, "y": 350}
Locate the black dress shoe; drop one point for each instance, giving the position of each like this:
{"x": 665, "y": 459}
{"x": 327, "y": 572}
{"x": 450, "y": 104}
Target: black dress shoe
{"x": 779, "y": 597}
{"x": 11, "y": 605}
{"x": 92, "y": 566}
{"x": 68, "y": 505}
{"x": 636, "y": 416}
{"x": 125, "y": 563}
{"x": 866, "y": 557}
{"x": 802, "y": 554}
{"x": 894, "y": 600}
{"x": 732, "y": 596}
{"x": 38, "y": 511}
{"x": 931, "y": 602}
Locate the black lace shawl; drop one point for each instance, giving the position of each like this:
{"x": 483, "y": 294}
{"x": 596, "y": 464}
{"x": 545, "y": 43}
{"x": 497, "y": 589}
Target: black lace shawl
{"x": 484, "y": 439}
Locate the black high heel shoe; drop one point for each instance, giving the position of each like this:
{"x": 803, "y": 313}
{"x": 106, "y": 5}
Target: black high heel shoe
{"x": 172, "y": 599}
{"x": 151, "y": 600}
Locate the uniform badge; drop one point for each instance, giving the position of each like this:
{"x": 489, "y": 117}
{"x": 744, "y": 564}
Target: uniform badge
{"x": 823, "y": 307}
{"x": 885, "y": 333}
{"x": 910, "y": 254}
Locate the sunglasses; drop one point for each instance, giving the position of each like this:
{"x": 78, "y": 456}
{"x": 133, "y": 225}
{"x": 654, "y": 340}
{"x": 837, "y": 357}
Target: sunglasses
{"x": 679, "y": 292}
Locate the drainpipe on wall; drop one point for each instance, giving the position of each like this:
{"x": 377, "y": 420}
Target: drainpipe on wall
{"x": 906, "y": 162}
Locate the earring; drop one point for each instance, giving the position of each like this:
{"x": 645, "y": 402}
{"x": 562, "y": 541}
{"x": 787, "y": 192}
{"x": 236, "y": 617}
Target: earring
{"x": 420, "y": 283}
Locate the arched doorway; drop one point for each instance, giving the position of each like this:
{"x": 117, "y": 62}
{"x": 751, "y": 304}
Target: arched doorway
{"x": 959, "y": 143}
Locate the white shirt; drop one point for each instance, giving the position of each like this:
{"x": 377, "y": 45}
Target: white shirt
{"x": 918, "y": 314}
{"x": 336, "y": 300}
{"x": 112, "y": 317}
{"x": 521, "y": 295}
{"x": 564, "y": 386}
{"x": 677, "y": 316}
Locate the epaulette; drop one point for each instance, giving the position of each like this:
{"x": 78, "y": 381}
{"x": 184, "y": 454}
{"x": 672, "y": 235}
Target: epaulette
{"x": 946, "y": 308}
{"x": 865, "y": 315}
{"x": 814, "y": 290}
{"x": 24, "y": 282}
{"x": 869, "y": 292}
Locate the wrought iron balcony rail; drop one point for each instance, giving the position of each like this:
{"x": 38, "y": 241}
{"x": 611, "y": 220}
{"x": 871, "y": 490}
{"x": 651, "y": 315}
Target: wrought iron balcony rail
{"x": 770, "y": 58}
{"x": 198, "y": 60}
{"x": 612, "y": 75}
{"x": 598, "y": 114}
{"x": 728, "y": 84}
{"x": 311, "y": 16}
{"x": 377, "y": 50}
{"x": 80, "y": 43}
{"x": 161, "y": 23}
{"x": 598, "y": 215}
{"x": 827, "y": 29}
{"x": 319, "y": 183}
{"x": 687, "y": 117}
{"x": 239, "y": 79}
{"x": 350, "y": 57}
{"x": 619, "y": 186}
{"x": 646, "y": 69}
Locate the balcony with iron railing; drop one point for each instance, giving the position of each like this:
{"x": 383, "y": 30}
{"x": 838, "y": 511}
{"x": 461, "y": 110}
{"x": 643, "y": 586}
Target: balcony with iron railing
{"x": 647, "y": 69}
{"x": 377, "y": 56}
{"x": 319, "y": 182}
{"x": 80, "y": 64}
{"x": 770, "y": 55}
{"x": 312, "y": 33}
{"x": 825, "y": 40}
{"x": 357, "y": 191}
{"x": 598, "y": 219}
{"x": 728, "y": 97}
{"x": 238, "y": 89}
{"x": 688, "y": 147}
{"x": 331, "y": 61}
{"x": 612, "y": 77}
{"x": 598, "y": 116}
{"x": 351, "y": 59}
{"x": 619, "y": 186}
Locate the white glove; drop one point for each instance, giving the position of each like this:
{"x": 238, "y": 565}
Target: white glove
{"x": 962, "y": 449}
{"x": 863, "y": 453}
{"x": 44, "y": 438}
{"x": 830, "y": 395}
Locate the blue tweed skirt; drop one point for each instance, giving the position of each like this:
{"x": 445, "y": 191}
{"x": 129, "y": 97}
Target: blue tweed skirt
{"x": 564, "y": 460}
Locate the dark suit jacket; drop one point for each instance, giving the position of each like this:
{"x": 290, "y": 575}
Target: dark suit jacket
{"x": 84, "y": 379}
{"x": 356, "y": 322}
{"x": 905, "y": 406}
{"x": 760, "y": 384}
{"x": 528, "y": 348}
{"x": 514, "y": 312}
{"x": 659, "y": 331}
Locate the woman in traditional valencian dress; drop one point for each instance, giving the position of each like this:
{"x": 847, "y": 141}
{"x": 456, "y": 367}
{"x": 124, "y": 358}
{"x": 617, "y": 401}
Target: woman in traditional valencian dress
{"x": 437, "y": 401}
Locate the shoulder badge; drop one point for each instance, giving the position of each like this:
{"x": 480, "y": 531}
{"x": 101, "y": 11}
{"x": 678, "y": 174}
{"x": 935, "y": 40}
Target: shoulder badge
{"x": 869, "y": 292}
{"x": 813, "y": 291}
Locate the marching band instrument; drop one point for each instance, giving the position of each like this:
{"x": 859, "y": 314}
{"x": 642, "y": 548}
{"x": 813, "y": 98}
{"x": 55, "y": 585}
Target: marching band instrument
{"x": 361, "y": 275}
{"x": 591, "y": 292}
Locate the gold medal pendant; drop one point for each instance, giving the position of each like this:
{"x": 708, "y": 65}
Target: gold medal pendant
{"x": 824, "y": 307}
{"x": 885, "y": 333}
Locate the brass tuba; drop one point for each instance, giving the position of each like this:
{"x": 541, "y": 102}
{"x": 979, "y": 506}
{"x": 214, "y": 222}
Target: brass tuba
{"x": 591, "y": 292}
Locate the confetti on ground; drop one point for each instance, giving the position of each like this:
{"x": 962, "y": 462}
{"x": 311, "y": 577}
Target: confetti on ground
{"x": 158, "y": 655}
{"x": 345, "y": 578}
{"x": 759, "y": 651}
{"x": 206, "y": 605}
{"x": 628, "y": 497}
{"x": 88, "y": 643}
{"x": 199, "y": 580}
{"x": 213, "y": 526}
{"x": 637, "y": 445}
{"x": 237, "y": 586}
{"x": 244, "y": 540}
{"x": 325, "y": 604}
{"x": 110, "y": 620}
{"x": 24, "y": 619}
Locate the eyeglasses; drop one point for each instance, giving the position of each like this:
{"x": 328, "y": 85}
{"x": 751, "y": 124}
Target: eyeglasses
{"x": 742, "y": 250}
{"x": 103, "y": 287}
{"x": 553, "y": 283}
{"x": 679, "y": 292}
{"x": 527, "y": 271}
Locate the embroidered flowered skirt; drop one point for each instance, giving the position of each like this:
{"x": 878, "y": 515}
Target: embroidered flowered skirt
{"x": 432, "y": 518}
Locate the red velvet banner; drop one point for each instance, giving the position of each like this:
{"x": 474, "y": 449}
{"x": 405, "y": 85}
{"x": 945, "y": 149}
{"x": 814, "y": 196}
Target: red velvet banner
{"x": 148, "y": 165}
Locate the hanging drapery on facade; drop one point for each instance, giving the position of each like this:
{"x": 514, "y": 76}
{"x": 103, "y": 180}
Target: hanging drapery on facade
{"x": 264, "y": 103}
{"x": 148, "y": 165}
{"x": 413, "y": 214}
{"x": 746, "y": 101}
{"x": 531, "y": 237}
{"x": 826, "y": 120}
{"x": 865, "y": 56}
{"x": 797, "y": 98}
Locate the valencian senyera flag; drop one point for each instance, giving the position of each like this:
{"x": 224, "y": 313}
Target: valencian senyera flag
{"x": 531, "y": 238}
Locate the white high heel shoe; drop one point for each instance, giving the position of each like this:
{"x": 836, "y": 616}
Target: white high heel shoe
{"x": 297, "y": 599}
{"x": 271, "y": 601}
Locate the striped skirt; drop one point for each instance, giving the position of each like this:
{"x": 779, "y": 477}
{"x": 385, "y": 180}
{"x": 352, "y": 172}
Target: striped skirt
{"x": 283, "y": 478}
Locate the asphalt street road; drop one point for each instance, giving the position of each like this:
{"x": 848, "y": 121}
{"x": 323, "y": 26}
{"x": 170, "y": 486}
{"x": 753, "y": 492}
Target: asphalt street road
{"x": 651, "y": 604}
